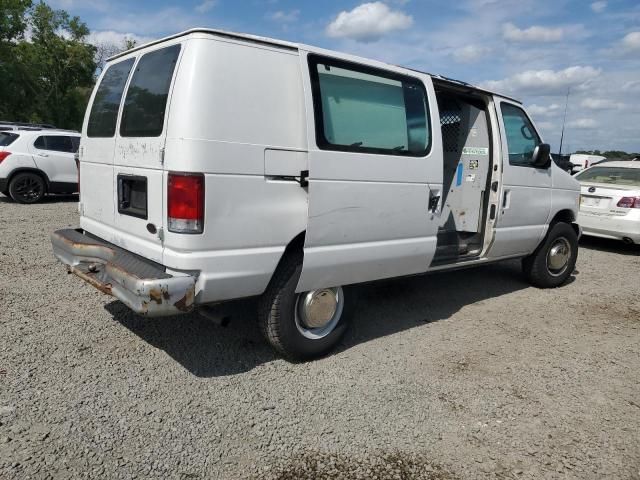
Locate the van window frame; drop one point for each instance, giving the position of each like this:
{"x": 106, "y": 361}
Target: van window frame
{"x": 314, "y": 60}
{"x": 506, "y": 137}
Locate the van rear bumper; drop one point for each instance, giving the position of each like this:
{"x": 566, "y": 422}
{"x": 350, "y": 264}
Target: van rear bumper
{"x": 144, "y": 286}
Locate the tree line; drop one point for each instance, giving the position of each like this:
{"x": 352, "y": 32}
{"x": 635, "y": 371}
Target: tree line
{"x": 47, "y": 65}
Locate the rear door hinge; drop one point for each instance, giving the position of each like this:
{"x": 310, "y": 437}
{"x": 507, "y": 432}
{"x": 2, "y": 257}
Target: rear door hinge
{"x": 162, "y": 156}
{"x": 161, "y": 235}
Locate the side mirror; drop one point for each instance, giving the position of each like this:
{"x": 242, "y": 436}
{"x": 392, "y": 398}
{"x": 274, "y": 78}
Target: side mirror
{"x": 541, "y": 156}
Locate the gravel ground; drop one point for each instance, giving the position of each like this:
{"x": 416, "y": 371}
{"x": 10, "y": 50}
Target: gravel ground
{"x": 469, "y": 374}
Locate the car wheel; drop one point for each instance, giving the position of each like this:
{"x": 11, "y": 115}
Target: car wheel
{"x": 301, "y": 326}
{"x": 555, "y": 259}
{"x": 27, "y": 188}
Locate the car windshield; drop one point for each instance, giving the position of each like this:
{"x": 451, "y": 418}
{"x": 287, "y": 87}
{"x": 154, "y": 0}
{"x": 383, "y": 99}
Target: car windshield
{"x": 613, "y": 175}
{"x": 7, "y": 138}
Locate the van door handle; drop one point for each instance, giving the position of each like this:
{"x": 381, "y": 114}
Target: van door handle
{"x": 506, "y": 199}
{"x": 43, "y": 155}
{"x": 434, "y": 200}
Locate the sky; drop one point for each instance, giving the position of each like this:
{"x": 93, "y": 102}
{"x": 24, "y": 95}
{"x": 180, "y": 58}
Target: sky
{"x": 535, "y": 50}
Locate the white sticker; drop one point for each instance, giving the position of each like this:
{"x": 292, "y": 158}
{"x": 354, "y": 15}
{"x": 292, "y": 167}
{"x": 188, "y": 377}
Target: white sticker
{"x": 471, "y": 177}
{"x": 475, "y": 151}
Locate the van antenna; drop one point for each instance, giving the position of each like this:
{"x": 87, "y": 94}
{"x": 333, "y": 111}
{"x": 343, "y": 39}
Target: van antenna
{"x": 564, "y": 120}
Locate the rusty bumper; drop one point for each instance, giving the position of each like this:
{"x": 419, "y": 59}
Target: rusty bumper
{"x": 142, "y": 285}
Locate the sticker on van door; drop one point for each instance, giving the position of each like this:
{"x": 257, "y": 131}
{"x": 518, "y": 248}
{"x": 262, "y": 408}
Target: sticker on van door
{"x": 475, "y": 151}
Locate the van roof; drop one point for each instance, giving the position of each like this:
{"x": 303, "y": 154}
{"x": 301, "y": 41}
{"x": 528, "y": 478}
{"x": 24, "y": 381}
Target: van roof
{"x": 439, "y": 79}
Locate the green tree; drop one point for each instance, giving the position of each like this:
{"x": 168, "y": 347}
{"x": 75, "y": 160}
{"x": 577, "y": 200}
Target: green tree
{"x": 49, "y": 74}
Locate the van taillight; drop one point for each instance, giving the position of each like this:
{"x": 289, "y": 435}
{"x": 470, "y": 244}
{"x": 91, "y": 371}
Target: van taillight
{"x": 4, "y": 155}
{"x": 629, "y": 202}
{"x": 185, "y": 202}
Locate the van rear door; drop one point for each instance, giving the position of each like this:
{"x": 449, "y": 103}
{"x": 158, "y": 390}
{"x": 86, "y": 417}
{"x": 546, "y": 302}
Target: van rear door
{"x": 138, "y": 174}
{"x": 97, "y": 148}
{"x": 375, "y": 174}
{"x": 122, "y": 177}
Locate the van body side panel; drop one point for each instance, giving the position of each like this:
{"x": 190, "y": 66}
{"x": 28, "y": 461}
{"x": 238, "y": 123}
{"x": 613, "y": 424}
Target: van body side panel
{"x": 565, "y": 194}
{"x": 237, "y": 115}
{"x": 369, "y": 214}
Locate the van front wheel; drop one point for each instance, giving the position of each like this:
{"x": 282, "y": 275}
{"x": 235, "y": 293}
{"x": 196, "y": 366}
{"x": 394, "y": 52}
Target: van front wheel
{"x": 301, "y": 326}
{"x": 555, "y": 259}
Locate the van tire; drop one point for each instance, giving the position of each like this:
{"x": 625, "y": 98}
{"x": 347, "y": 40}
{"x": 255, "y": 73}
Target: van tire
{"x": 538, "y": 268}
{"x": 277, "y": 315}
{"x": 27, "y": 187}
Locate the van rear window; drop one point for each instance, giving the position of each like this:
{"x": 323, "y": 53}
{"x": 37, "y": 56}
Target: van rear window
{"x": 104, "y": 111}
{"x": 146, "y": 101}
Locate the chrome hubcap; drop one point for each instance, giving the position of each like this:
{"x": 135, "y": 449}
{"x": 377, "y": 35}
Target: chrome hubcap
{"x": 318, "y": 312}
{"x": 558, "y": 256}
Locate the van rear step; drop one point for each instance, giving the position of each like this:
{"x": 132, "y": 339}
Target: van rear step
{"x": 142, "y": 285}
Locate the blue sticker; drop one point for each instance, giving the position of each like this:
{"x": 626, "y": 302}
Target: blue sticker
{"x": 459, "y": 174}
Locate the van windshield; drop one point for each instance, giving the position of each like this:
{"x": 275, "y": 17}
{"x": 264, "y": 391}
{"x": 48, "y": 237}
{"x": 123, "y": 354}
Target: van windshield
{"x": 613, "y": 175}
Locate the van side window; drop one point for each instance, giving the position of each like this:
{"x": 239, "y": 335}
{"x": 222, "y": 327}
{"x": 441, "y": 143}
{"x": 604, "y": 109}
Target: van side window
{"x": 361, "y": 109}
{"x": 104, "y": 111}
{"x": 522, "y": 138}
{"x": 146, "y": 100}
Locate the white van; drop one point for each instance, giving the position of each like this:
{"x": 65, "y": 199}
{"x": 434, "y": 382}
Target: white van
{"x": 217, "y": 166}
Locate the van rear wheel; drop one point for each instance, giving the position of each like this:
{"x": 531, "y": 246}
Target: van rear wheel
{"x": 301, "y": 326}
{"x": 554, "y": 260}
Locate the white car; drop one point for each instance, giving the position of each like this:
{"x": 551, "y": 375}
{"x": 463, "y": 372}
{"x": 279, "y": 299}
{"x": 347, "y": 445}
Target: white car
{"x": 581, "y": 161}
{"x": 610, "y": 201}
{"x": 216, "y": 166}
{"x": 35, "y": 163}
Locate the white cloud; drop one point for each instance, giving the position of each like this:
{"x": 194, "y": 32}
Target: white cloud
{"x": 205, "y": 6}
{"x": 544, "y": 111}
{"x": 368, "y": 22}
{"x": 545, "y": 125}
{"x": 99, "y": 5}
{"x": 158, "y": 22}
{"x": 599, "y": 104}
{"x": 285, "y": 17}
{"x": 598, "y": 7}
{"x": 532, "y": 34}
{"x": 111, "y": 37}
{"x": 582, "y": 123}
{"x": 470, "y": 53}
{"x": 631, "y": 86}
{"x": 544, "y": 82}
{"x": 631, "y": 41}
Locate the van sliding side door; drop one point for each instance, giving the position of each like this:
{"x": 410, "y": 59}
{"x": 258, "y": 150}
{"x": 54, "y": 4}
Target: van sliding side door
{"x": 375, "y": 173}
